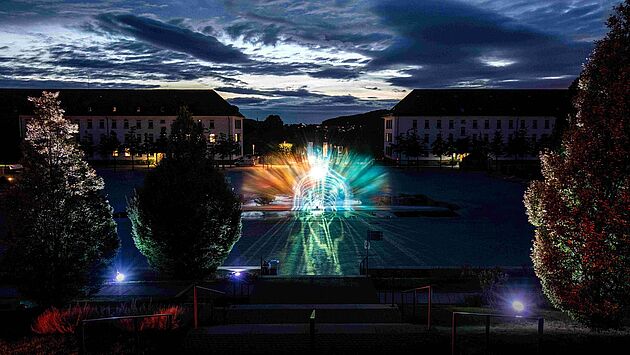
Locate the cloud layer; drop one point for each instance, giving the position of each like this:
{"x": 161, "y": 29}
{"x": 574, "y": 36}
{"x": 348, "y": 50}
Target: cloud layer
{"x": 307, "y": 60}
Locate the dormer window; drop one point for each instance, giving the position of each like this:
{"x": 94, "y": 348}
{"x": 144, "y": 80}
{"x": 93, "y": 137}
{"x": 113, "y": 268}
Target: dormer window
{"x": 114, "y": 109}
{"x": 138, "y": 109}
{"x": 162, "y": 109}
{"x": 89, "y": 108}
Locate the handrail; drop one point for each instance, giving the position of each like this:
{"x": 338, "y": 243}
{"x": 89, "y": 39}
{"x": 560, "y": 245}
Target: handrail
{"x": 169, "y": 318}
{"x": 415, "y": 301}
{"x": 195, "y": 304}
{"x": 540, "y": 320}
{"x": 311, "y": 321}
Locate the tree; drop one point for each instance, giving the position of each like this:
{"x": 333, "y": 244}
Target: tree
{"x": 61, "y": 233}
{"x": 109, "y": 144}
{"x": 132, "y": 145}
{"x": 581, "y": 250}
{"x": 147, "y": 147}
{"x": 87, "y": 146}
{"x": 439, "y": 147}
{"x": 186, "y": 218}
{"x": 518, "y": 145}
{"x": 497, "y": 147}
{"x": 226, "y": 147}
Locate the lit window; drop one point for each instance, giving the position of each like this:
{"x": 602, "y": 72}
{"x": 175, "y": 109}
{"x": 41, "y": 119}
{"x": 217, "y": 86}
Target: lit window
{"x": 237, "y": 137}
{"x": 114, "y": 109}
{"x": 212, "y": 138}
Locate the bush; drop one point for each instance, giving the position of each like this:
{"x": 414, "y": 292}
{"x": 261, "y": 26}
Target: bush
{"x": 68, "y": 320}
{"x": 491, "y": 281}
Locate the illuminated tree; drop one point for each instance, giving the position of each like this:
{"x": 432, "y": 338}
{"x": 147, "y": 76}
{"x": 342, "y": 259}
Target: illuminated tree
{"x": 132, "y": 145}
{"x": 185, "y": 219}
{"x": 581, "y": 249}
{"x": 61, "y": 231}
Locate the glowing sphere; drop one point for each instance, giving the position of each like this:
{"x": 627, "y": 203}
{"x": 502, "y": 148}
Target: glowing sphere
{"x": 120, "y": 277}
{"x": 518, "y": 306}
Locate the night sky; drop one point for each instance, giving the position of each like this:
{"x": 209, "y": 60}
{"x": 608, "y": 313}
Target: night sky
{"x": 304, "y": 60}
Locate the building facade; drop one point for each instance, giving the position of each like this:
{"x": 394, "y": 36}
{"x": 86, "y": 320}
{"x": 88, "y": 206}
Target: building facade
{"x": 143, "y": 115}
{"x": 476, "y": 114}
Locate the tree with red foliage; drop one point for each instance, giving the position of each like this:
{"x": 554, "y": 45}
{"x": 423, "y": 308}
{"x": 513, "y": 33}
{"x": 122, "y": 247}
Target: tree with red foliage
{"x": 581, "y": 209}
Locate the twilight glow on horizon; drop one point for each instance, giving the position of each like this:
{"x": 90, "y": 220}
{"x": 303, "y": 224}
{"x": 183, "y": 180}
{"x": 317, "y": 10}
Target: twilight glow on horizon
{"x": 304, "y": 60}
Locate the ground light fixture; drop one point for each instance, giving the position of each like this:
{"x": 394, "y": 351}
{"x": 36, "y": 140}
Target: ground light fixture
{"x": 518, "y": 306}
{"x": 120, "y": 277}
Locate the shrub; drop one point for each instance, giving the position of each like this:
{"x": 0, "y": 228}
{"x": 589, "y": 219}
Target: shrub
{"x": 491, "y": 281}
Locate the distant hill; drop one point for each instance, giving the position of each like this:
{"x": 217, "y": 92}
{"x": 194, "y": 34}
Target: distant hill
{"x": 367, "y": 118}
{"x": 362, "y": 132}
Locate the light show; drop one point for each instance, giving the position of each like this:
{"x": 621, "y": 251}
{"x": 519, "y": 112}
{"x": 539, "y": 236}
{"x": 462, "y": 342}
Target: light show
{"x": 319, "y": 189}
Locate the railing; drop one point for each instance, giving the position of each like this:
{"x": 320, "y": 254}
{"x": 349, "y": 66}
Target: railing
{"x": 311, "y": 322}
{"x": 364, "y": 266}
{"x": 540, "y": 320}
{"x": 415, "y": 301}
{"x": 169, "y": 322}
{"x": 195, "y": 304}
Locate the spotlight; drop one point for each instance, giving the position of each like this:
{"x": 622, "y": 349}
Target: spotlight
{"x": 120, "y": 277}
{"x": 237, "y": 273}
{"x": 518, "y": 306}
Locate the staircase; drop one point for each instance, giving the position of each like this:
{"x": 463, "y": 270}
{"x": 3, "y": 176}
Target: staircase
{"x": 347, "y": 317}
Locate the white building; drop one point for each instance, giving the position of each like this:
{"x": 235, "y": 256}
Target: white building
{"x": 473, "y": 113}
{"x": 145, "y": 113}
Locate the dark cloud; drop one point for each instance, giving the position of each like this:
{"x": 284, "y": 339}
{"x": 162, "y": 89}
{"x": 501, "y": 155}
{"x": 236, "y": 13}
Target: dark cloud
{"x": 172, "y": 37}
{"x": 449, "y": 40}
{"x": 336, "y": 73}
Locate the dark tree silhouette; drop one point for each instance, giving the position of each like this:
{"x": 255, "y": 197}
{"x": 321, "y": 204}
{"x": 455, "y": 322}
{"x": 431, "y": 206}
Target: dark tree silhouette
{"x": 185, "y": 219}
{"x": 581, "y": 249}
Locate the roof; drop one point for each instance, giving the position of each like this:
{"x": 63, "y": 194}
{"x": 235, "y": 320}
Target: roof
{"x": 100, "y": 102}
{"x": 483, "y": 102}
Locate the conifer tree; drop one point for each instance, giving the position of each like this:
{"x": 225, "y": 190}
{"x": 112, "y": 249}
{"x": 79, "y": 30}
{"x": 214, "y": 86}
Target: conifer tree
{"x": 61, "y": 233}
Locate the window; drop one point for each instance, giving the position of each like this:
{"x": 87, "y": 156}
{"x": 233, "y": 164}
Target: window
{"x": 498, "y": 124}
{"x": 126, "y": 124}
{"x": 451, "y": 124}
{"x": 162, "y": 121}
{"x": 486, "y": 124}
{"x": 414, "y": 124}
{"x": 426, "y": 138}
{"x": 138, "y": 124}
{"x": 463, "y": 122}
{"x": 522, "y": 124}
{"x": 388, "y": 137}
{"x": 138, "y": 109}
{"x": 114, "y": 109}
{"x": 101, "y": 124}
{"x": 546, "y": 124}
{"x": 439, "y": 124}
{"x": 89, "y": 108}
{"x": 388, "y": 150}
{"x": 237, "y": 137}
{"x": 212, "y": 138}
{"x": 89, "y": 124}
{"x": 462, "y": 131}
{"x": 535, "y": 124}
{"x": 161, "y": 108}
{"x": 114, "y": 124}
{"x": 150, "y": 124}
{"x": 211, "y": 124}
{"x": 150, "y": 137}
{"x": 237, "y": 124}
{"x": 510, "y": 124}
{"x": 388, "y": 124}
{"x": 474, "y": 124}
{"x": 426, "y": 124}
